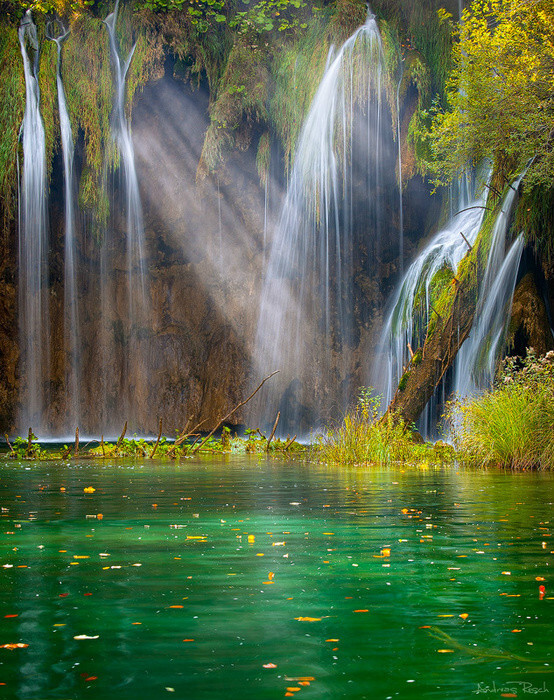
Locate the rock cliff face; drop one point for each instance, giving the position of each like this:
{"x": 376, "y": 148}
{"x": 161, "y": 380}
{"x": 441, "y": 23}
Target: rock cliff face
{"x": 9, "y": 350}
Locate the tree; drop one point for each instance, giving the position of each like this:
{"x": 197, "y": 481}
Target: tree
{"x": 500, "y": 101}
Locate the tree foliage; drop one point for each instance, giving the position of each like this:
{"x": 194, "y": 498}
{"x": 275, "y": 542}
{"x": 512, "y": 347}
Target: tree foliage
{"x": 500, "y": 98}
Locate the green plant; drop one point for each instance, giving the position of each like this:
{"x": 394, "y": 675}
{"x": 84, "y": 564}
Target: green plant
{"x": 511, "y": 425}
{"x": 363, "y": 439}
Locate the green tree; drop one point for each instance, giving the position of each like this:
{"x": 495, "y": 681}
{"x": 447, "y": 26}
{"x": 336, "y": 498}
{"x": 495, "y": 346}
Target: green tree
{"x": 500, "y": 99}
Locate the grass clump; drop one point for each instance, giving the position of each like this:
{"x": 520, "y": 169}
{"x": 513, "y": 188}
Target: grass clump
{"x": 366, "y": 438}
{"x": 512, "y": 425}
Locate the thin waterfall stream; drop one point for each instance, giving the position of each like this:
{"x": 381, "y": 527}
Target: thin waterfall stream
{"x": 72, "y": 330}
{"x": 33, "y": 242}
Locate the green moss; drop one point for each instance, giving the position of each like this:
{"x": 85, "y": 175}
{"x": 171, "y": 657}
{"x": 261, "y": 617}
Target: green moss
{"x": 241, "y": 102}
{"x": 12, "y": 107}
{"x": 535, "y": 215}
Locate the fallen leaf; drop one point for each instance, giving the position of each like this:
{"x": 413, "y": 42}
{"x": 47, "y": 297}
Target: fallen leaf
{"x": 308, "y": 619}
{"x": 89, "y": 489}
{"x": 17, "y": 645}
{"x": 85, "y": 636}
{"x": 464, "y": 616}
{"x": 270, "y": 665}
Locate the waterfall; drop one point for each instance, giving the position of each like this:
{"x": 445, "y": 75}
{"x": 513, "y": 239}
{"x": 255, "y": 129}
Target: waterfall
{"x": 123, "y": 320}
{"x": 335, "y": 203}
{"x": 477, "y": 358}
{"x": 33, "y": 244}
{"x": 410, "y": 309}
{"x": 71, "y": 311}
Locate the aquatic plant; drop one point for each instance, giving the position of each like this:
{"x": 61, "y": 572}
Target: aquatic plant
{"x": 366, "y": 438}
{"x": 512, "y": 425}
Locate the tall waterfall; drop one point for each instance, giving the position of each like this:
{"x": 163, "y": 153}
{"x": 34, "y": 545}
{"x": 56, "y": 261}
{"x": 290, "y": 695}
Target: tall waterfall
{"x": 477, "y": 358}
{"x": 33, "y": 243}
{"x": 410, "y": 309}
{"x": 342, "y": 195}
{"x": 71, "y": 310}
{"x": 122, "y": 334}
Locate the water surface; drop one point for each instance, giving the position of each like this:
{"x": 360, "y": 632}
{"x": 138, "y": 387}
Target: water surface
{"x": 248, "y": 578}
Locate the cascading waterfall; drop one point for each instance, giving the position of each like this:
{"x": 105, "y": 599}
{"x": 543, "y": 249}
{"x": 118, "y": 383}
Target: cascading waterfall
{"x": 410, "y": 309}
{"x": 338, "y": 199}
{"x": 477, "y": 358}
{"x": 131, "y": 376}
{"x": 71, "y": 309}
{"x": 33, "y": 244}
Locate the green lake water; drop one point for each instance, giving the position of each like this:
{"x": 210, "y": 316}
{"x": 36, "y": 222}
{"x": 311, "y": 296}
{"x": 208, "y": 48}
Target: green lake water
{"x": 246, "y": 578}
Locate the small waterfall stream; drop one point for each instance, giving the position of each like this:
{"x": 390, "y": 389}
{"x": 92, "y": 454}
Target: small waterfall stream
{"x": 71, "y": 309}
{"x": 306, "y": 327}
{"x": 123, "y": 335}
{"x": 33, "y": 243}
{"x": 477, "y": 358}
{"x": 410, "y": 309}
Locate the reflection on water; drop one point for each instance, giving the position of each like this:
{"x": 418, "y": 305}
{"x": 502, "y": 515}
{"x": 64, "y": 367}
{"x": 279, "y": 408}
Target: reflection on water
{"x": 246, "y": 578}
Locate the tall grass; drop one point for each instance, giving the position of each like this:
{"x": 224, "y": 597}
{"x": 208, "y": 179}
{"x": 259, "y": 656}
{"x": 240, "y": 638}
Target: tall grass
{"x": 512, "y": 425}
{"x": 365, "y": 438}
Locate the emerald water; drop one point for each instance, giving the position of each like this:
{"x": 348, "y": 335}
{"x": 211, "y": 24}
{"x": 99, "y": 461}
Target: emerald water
{"x": 251, "y": 578}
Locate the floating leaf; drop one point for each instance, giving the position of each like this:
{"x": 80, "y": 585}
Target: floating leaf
{"x": 85, "y": 636}
{"x": 17, "y": 645}
{"x": 308, "y": 619}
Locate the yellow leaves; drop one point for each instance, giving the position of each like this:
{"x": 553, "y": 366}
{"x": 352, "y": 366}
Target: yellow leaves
{"x": 445, "y": 651}
{"x": 308, "y": 619}
{"x": 88, "y": 489}
{"x": 464, "y": 616}
{"x": 11, "y": 647}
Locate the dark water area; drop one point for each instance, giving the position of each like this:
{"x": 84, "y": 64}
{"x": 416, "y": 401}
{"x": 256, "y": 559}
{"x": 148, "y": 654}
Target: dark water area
{"x": 249, "y": 578}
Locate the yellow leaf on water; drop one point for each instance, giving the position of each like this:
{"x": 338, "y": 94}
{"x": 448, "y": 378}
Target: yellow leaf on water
{"x": 17, "y": 645}
{"x": 89, "y": 489}
{"x": 445, "y": 651}
{"x": 308, "y": 619}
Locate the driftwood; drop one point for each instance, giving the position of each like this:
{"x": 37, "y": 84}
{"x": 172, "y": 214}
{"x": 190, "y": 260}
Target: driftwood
{"x": 120, "y": 437}
{"x": 29, "y": 451}
{"x": 467, "y": 242}
{"x": 185, "y": 436}
{"x": 289, "y": 443}
{"x": 273, "y": 431}
{"x": 240, "y": 405}
{"x": 12, "y": 451}
{"x": 153, "y": 452}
